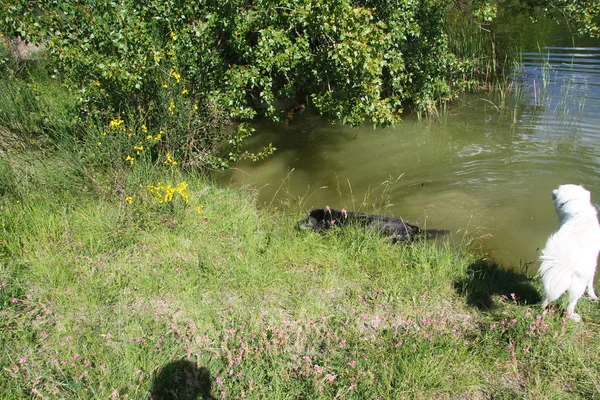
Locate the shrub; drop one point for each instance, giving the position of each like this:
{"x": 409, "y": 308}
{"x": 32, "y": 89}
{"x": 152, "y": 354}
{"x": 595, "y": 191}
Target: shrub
{"x": 188, "y": 69}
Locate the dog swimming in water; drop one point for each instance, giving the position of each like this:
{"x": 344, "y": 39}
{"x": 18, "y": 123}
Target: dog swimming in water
{"x": 568, "y": 261}
{"x": 395, "y": 229}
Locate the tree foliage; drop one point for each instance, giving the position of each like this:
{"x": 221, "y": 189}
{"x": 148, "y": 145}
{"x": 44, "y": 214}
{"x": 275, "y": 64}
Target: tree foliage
{"x": 189, "y": 68}
{"x": 582, "y": 15}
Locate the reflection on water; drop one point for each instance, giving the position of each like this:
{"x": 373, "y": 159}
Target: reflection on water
{"x": 484, "y": 170}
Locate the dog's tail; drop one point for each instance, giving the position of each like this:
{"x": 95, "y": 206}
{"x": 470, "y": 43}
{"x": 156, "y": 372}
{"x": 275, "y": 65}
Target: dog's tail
{"x": 556, "y": 268}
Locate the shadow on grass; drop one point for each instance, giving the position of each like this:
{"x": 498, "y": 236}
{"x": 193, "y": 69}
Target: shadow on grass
{"x": 485, "y": 278}
{"x": 182, "y": 380}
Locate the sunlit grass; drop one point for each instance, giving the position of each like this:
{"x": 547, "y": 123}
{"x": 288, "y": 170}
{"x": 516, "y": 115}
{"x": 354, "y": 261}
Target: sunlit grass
{"x": 101, "y": 297}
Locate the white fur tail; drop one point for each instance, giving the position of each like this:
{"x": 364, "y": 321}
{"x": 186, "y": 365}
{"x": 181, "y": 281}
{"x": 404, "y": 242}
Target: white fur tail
{"x": 556, "y": 268}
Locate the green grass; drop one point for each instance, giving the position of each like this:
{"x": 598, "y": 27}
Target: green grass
{"x": 100, "y": 297}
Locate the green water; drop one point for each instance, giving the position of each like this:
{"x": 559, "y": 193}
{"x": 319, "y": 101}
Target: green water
{"x": 482, "y": 169}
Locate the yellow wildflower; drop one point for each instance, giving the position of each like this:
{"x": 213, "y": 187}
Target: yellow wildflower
{"x": 173, "y": 36}
{"x": 181, "y": 189}
{"x": 199, "y": 208}
{"x": 175, "y": 74}
{"x": 184, "y": 91}
{"x": 157, "y": 137}
{"x": 129, "y": 199}
{"x": 144, "y": 128}
{"x": 196, "y": 106}
{"x": 171, "y": 107}
{"x": 164, "y": 193}
{"x": 165, "y": 85}
{"x": 130, "y": 159}
{"x": 169, "y": 159}
{"x": 116, "y": 124}
{"x": 138, "y": 148}
{"x": 97, "y": 83}
{"x": 171, "y": 52}
{"x": 99, "y": 144}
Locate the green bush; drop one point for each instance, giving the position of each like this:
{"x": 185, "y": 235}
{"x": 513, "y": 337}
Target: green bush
{"x": 188, "y": 69}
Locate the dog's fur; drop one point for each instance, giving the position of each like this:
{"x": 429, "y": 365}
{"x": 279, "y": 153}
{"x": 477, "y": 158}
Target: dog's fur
{"x": 568, "y": 261}
{"x": 395, "y": 229}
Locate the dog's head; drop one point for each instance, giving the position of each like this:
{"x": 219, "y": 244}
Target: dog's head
{"x": 572, "y": 200}
{"x": 320, "y": 219}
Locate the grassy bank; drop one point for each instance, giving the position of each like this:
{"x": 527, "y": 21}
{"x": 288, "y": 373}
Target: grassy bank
{"x": 106, "y": 292}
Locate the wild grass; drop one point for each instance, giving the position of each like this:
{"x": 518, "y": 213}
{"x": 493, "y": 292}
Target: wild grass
{"x": 32, "y": 104}
{"x": 215, "y": 298}
{"x": 487, "y": 62}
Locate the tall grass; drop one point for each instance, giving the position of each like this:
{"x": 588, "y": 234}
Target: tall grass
{"x": 487, "y": 65}
{"x": 33, "y": 105}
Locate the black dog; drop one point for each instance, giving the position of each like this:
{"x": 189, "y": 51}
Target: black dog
{"x": 322, "y": 219}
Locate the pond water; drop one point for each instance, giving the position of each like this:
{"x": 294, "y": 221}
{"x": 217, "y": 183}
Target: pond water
{"x": 483, "y": 169}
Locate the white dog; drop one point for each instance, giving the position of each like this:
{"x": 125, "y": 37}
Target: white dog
{"x": 570, "y": 255}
